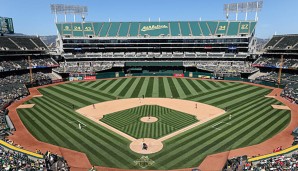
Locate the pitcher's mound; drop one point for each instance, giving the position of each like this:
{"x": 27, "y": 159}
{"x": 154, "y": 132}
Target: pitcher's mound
{"x": 153, "y": 146}
{"x": 149, "y": 119}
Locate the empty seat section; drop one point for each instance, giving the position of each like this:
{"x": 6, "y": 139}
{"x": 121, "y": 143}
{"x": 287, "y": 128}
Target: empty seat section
{"x": 77, "y": 29}
{"x": 244, "y": 28}
{"x": 124, "y": 29}
{"x": 5, "y": 42}
{"x": 194, "y": 26}
{"x": 222, "y": 28}
{"x": 88, "y": 29}
{"x": 134, "y": 29}
{"x": 97, "y": 27}
{"x": 273, "y": 41}
{"x": 212, "y": 26}
{"x": 233, "y": 29}
{"x": 24, "y": 42}
{"x": 287, "y": 41}
{"x": 114, "y": 29}
{"x": 175, "y": 31}
{"x": 205, "y": 29}
{"x": 184, "y": 28}
{"x": 38, "y": 42}
{"x": 104, "y": 30}
{"x": 66, "y": 29}
{"x": 154, "y": 28}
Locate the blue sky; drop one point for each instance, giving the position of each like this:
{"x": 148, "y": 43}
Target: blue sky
{"x": 34, "y": 17}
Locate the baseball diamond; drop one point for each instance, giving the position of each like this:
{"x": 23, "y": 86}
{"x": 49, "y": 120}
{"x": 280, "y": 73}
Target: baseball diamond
{"x": 253, "y": 121}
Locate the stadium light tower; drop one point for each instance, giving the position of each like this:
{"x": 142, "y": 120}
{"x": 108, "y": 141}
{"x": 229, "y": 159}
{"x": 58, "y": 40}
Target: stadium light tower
{"x": 61, "y": 9}
{"x": 243, "y": 7}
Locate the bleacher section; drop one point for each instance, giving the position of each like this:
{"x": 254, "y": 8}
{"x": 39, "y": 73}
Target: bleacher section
{"x": 21, "y": 43}
{"x": 283, "y": 42}
{"x": 157, "y": 29}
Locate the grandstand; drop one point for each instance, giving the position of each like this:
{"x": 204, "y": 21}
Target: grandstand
{"x": 270, "y": 62}
{"x": 227, "y": 44}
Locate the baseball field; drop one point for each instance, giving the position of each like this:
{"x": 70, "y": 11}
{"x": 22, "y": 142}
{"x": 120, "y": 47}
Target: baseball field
{"x": 249, "y": 119}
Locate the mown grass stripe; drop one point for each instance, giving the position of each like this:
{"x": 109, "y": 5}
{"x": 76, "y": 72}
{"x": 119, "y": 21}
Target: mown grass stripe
{"x": 138, "y": 88}
{"x": 156, "y": 90}
{"x": 161, "y": 87}
{"x": 179, "y": 88}
{"x": 150, "y": 87}
{"x": 126, "y": 87}
{"x": 183, "y": 86}
{"x": 173, "y": 89}
{"x": 103, "y": 95}
{"x": 118, "y": 85}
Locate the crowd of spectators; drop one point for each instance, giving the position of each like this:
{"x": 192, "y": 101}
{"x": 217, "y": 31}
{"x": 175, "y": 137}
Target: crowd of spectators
{"x": 232, "y": 68}
{"x": 14, "y": 160}
{"x": 85, "y": 66}
{"x": 275, "y": 62}
{"x": 11, "y": 65}
{"x": 14, "y": 87}
{"x": 290, "y": 91}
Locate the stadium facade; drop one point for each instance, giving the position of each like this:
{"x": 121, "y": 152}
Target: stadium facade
{"x": 223, "y": 48}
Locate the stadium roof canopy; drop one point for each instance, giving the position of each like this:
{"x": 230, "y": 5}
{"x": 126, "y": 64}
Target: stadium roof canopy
{"x": 156, "y": 29}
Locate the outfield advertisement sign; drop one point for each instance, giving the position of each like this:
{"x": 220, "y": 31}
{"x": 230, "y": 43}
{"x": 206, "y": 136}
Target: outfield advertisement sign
{"x": 90, "y": 78}
{"x": 178, "y": 75}
{"x": 75, "y": 78}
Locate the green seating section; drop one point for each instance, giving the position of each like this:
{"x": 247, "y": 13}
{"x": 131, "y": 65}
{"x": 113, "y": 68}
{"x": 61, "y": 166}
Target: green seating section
{"x": 194, "y": 26}
{"x": 205, "y": 29}
{"x": 114, "y": 29}
{"x": 104, "y": 29}
{"x": 212, "y": 26}
{"x": 155, "y": 29}
{"x": 134, "y": 29}
{"x": 184, "y": 28}
{"x": 124, "y": 29}
{"x": 175, "y": 31}
{"x": 233, "y": 28}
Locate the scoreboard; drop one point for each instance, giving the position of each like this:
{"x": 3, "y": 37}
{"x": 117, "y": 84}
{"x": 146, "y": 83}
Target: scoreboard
{"x": 6, "y": 25}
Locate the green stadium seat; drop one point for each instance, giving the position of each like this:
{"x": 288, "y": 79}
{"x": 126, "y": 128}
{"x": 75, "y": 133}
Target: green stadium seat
{"x": 222, "y": 28}
{"x": 184, "y": 28}
{"x": 196, "y": 30}
{"x": 233, "y": 29}
{"x": 124, "y": 29}
{"x": 77, "y": 29}
{"x": 134, "y": 29}
{"x": 205, "y": 29}
{"x": 104, "y": 29}
{"x": 114, "y": 29}
{"x": 212, "y": 26}
{"x": 175, "y": 31}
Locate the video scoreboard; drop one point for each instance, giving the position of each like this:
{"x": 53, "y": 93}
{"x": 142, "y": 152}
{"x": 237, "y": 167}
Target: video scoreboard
{"x": 6, "y": 25}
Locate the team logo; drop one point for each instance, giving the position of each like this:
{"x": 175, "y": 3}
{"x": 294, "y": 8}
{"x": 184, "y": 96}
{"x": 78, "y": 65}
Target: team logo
{"x": 153, "y": 27}
{"x": 144, "y": 162}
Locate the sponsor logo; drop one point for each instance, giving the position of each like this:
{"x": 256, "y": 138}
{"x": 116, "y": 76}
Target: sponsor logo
{"x": 153, "y": 27}
{"x": 178, "y": 75}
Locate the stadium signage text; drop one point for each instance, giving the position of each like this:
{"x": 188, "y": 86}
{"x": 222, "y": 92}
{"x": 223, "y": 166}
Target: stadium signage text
{"x": 153, "y": 27}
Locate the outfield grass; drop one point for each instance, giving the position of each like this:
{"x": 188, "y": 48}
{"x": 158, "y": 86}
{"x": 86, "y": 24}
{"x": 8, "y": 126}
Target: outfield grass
{"x": 253, "y": 119}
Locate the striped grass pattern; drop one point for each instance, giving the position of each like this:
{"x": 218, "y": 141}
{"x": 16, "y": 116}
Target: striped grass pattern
{"x": 253, "y": 119}
{"x": 128, "y": 121}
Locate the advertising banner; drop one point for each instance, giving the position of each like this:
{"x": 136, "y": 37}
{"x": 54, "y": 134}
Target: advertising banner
{"x": 90, "y": 78}
{"x": 178, "y": 75}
